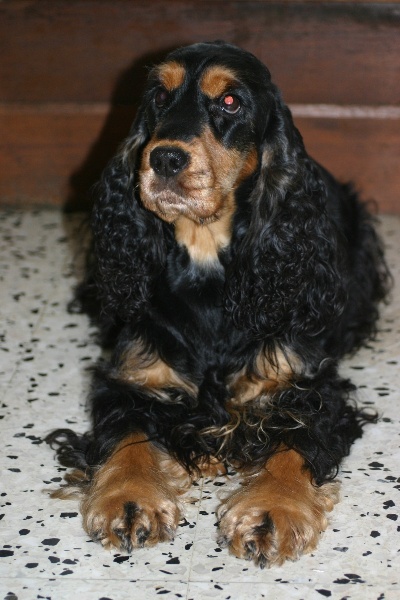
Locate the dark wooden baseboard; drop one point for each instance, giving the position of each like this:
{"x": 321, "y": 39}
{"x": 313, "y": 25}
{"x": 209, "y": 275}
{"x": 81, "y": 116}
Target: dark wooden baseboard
{"x": 72, "y": 72}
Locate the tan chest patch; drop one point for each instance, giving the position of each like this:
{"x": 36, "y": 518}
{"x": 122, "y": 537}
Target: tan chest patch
{"x": 203, "y": 242}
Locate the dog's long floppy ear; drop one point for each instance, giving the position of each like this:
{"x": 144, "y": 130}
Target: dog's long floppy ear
{"x": 128, "y": 239}
{"x": 285, "y": 280}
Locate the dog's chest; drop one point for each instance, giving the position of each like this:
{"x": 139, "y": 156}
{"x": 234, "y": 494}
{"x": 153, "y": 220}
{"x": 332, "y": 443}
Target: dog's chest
{"x": 190, "y": 299}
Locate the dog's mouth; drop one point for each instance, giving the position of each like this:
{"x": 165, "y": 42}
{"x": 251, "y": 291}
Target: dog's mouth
{"x": 174, "y": 184}
{"x": 192, "y": 179}
{"x": 190, "y": 195}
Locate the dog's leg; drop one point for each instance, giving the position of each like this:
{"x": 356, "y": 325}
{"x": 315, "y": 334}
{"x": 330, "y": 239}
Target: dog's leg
{"x": 278, "y": 514}
{"x": 132, "y": 500}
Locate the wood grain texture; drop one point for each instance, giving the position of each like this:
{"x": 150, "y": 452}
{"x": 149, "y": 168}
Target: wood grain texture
{"x": 72, "y": 73}
{"x": 364, "y": 151}
{"x": 94, "y": 51}
{"x": 54, "y": 156}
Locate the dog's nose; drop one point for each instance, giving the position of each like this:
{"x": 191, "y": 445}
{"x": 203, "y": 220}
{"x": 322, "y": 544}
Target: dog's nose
{"x": 168, "y": 161}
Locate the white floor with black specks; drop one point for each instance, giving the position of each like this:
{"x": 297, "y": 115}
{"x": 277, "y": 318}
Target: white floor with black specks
{"x": 45, "y": 359}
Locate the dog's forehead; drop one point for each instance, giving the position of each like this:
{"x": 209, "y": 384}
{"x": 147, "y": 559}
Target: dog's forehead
{"x": 213, "y": 80}
{"x": 215, "y": 68}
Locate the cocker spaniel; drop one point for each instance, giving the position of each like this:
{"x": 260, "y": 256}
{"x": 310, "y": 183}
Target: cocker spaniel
{"x": 235, "y": 272}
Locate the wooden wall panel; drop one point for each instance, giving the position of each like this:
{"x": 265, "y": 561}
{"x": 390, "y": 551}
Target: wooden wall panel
{"x": 364, "y": 151}
{"x": 93, "y": 50}
{"x": 72, "y": 72}
{"x": 55, "y": 155}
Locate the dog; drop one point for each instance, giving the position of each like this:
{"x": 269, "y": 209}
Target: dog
{"x": 234, "y": 272}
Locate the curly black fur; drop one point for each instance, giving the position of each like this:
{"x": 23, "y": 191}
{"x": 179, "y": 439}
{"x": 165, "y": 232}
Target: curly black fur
{"x": 303, "y": 274}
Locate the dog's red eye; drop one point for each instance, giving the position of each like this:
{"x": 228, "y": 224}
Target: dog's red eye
{"x": 230, "y": 104}
{"x": 161, "y": 97}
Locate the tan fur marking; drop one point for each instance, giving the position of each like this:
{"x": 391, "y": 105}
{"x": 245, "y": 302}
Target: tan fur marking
{"x": 172, "y": 75}
{"x": 203, "y": 242}
{"x": 211, "y": 467}
{"x": 266, "y": 377}
{"x": 278, "y": 514}
{"x": 216, "y": 80}
{"x": 208, "y": 467}
{"x": 151, "y": 372}
{"x": 202, "y": 193}
{"x": 77, "y": 482}
{"x": 249, "y": 166}
{"x": 134, "y": 478}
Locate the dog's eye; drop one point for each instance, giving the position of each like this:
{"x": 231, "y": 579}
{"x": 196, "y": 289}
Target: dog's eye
{"x": 230, "y": 104}
{"x": 161, "y": 97}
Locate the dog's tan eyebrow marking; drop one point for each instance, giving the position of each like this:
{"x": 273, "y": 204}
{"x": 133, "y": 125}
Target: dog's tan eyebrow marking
{"x": 216, "y": 80}
{"x": 171, "y": 74}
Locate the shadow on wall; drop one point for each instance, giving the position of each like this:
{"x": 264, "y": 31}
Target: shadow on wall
{"x": 124, "y": 103}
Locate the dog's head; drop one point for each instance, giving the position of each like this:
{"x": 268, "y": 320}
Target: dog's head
{"x": 205, "y": 110}
{"x": 214, "y": 147}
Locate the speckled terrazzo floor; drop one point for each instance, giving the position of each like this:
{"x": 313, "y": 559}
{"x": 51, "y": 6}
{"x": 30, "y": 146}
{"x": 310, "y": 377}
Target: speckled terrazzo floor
{"x": 45, "y": 356}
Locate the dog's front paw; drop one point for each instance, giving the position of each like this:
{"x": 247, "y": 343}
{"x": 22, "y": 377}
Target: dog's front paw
{"x": 270, "y": 534}
{"x": 274, "y": 518}
{"x": 137, "y": 515}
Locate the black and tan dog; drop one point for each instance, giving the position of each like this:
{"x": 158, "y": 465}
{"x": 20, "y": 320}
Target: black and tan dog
{"x": 237, "y": 272}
